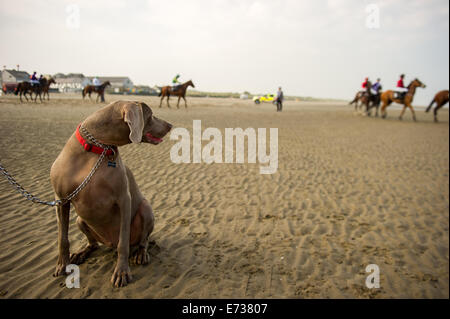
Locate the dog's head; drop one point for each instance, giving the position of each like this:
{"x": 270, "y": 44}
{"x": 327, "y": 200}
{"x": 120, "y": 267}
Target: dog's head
{"x": 144, "y": 127}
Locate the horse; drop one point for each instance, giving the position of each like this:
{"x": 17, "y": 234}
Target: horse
{"x": 441, "y": 98}
{"x": 180, "y": 91}
{"x": 26, "y": 87}
{"x": 362, "y": 97}
{"x": 100, "y": 90}
{"x": 22, "y": 88}
{"x": 375, "y": 99}
{"x": 46, "y": 86}
{"x": 388, "y": 97}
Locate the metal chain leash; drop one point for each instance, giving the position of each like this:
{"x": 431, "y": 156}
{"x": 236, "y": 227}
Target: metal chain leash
{"x": 60, "y": 202}
{"x": 24, "y": 193}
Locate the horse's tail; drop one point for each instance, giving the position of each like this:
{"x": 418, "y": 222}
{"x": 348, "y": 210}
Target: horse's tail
{"x": 16, "y": 90}
{"x": 83, "y": 92}
{"x": 160, "y": 92}
{"x": 429, "y": 106}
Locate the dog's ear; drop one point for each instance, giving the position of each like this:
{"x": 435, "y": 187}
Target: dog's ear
{"x": 134, "y": 117}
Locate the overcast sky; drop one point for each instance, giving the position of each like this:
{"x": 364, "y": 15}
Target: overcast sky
{"x": 312, "y": 48}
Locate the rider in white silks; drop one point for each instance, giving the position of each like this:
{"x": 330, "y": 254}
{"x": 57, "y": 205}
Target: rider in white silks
{"x": 96, "y": 82}
{"x": 375, "y": 87}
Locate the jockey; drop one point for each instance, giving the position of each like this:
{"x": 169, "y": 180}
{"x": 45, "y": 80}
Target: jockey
{"x": 364, "y": 84}
{"x": 175, "y": 83}
{"x": 175, "y": 80}
{"x": 96, "y": 82}
{"x": 33, "y": 79}
{"x": 376, "y": 87}
{"x": 401, "y": 89}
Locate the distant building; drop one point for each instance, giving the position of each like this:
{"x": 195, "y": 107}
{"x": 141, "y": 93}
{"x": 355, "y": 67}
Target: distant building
{"x": 13, "y": 76}
{"x": 72, "y": 82}
{"x": 119, "y": 84}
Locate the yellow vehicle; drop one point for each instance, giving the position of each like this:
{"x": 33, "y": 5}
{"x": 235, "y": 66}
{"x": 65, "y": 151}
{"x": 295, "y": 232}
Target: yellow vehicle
{"x": 265, "y": 98}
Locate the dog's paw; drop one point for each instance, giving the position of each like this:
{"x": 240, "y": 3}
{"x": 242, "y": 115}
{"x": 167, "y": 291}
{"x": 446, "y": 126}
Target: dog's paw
{"x": 79, "y": 257}
{"x": 60, "y": 269}
{"x": 141, "y": 257}
{"x": 121, "y": 276}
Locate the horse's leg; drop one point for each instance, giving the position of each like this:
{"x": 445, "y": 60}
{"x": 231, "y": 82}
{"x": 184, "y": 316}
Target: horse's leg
{"x": 20, "y": 96}
{"x": 185, "y": 103}
{"x": 436, "y": 110}
{"x": 168, "y": 100}
{"x": 178, "y": 104}
{"x": 383, "y": 108}
{"x": 160, "y": 101}
{"x": 369, "y": 109}
{"x": 402, "y": 112}
{"x": 413, "y": 112}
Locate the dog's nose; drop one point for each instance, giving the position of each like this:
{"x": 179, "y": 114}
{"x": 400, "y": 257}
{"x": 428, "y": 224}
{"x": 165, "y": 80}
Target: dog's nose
{"x": 169, "y": 126}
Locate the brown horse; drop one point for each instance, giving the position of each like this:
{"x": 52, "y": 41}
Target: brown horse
{"x": 26, "y": 87}
{"x": 362, "y": 97}
{"x": 46, "y": 86}
{"x": 388, "y": 97}
{"x": 179, "y": 91}
{"x": 100, "y": 90}
{"x": 441, "y": 98}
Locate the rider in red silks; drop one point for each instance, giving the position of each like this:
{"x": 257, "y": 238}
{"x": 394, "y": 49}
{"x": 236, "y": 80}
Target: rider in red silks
{"x": 364, "y": 84}
{"x": 401, "y": 89}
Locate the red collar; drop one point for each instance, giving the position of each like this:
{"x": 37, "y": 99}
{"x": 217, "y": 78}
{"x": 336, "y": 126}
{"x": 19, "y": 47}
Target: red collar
{"x": 90, "y": 147}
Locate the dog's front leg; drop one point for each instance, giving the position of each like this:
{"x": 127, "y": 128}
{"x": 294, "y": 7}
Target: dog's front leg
{"x": 62, "y": 215}
{"x": 122, "y": 275}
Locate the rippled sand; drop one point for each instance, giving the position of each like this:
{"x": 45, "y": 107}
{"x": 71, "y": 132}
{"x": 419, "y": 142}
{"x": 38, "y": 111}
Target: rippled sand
{"x": 349, "y": 191}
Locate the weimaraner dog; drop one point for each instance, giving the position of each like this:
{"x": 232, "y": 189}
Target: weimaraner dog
{"x": 110, "y": 208}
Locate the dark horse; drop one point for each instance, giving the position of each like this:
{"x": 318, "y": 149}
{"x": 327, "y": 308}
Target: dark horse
{"x": 45, "y": 87}
{"x": 179, "y": 91}
{"x": 27, "y": 87}
{"x": 389, "y": 96}
{"x": 372, "y": 100}
{"x": 441, "y": 98}
{"x": 100, "y": 90}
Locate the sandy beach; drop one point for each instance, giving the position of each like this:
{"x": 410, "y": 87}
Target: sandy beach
{"x": 349, "y": 191}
